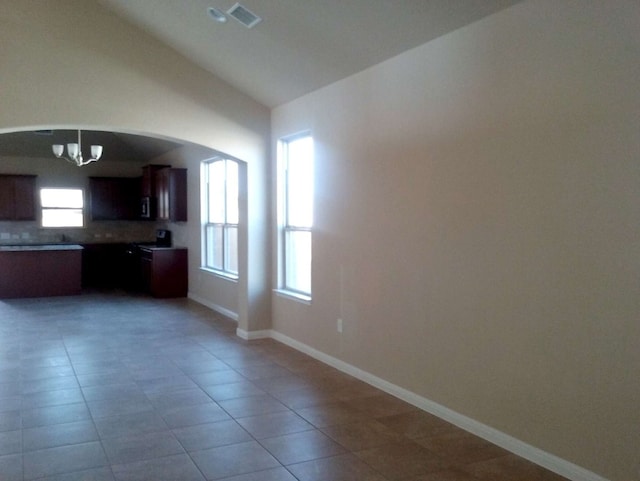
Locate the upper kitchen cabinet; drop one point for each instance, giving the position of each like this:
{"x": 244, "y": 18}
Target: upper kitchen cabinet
{"x": 17, "y": 197}
{"x": 171, "y": 189}
{"x": 149, "y": 174}
{"x": 114, "y": 198}
{"x": 149, "y": 190}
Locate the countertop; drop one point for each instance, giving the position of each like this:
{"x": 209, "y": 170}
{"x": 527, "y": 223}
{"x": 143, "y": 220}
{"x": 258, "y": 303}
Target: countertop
{"x": 42, "y": 247}
{"x": 158, "y": 248}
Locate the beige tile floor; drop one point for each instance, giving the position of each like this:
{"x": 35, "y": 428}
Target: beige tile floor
{"x": 106, "y": 387}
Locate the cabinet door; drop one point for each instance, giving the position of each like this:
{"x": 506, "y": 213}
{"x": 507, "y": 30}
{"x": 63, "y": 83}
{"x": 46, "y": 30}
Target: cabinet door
{"x": 168, "y": 276}
{"x": 25, "y": 194}
{"x": 171, "y": 189}
{"x": 114, "y": 198}
{"x": 129, "y": 195}
{"x": 148, "y": 188}
{"x": 149, "y": 173}
{"x": 7, "y": 198}
{"x": 17, "y": 197}
{"x": 178, "y": 195}
{"x": 162, "y": 194}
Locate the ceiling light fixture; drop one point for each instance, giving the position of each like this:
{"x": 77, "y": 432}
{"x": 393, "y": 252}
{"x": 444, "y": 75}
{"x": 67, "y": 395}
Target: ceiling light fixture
{"x": 75, "y": 152}
{"x": 217, "y": 15}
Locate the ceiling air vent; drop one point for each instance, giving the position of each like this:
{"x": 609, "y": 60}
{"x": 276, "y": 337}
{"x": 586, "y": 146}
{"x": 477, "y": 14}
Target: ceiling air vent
{"x": 244, "y": 16}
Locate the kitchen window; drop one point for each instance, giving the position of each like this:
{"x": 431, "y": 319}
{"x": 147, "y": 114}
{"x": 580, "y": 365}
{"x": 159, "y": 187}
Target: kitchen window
{"x": 220, "y": 216}
{"x": 62, "y": 207}
{"x": 295, "y": 214}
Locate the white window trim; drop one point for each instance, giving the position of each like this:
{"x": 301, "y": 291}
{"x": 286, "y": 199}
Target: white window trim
{"x": 222, "y": 273}
{"x": 293, "y": 295}
{"x": 83, "y": 209}
{"x": 283, "y": 227}
{"x": 217, "y": 273}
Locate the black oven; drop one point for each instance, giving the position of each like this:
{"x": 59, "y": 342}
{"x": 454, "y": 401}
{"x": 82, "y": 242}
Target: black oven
{"x": 138, "y": 260}
{"x": 163, "y": 238}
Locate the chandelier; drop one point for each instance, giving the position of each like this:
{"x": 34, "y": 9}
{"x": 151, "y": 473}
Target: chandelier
{"x": 74, "y": 152}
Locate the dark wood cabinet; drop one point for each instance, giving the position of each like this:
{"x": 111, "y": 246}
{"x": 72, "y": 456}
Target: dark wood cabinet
{"x": 40, "y": 271}
{"x": 149, "y": 192}
{"x": 115, "y": 198}
{"x": 171, "y": 189}
{"x": 149, "y": 179}
{"x": 104, "y": 265}
{"x": 7, "y": 198}
{"x": 17, "y": 197}
{"x": 164, "y": 271}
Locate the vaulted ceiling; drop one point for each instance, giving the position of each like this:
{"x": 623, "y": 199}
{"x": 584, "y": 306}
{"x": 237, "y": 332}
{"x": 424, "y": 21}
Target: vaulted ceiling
{"x": 298, "y": 47}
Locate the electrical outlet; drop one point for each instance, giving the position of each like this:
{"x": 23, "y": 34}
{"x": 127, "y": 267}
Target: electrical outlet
{"x": 339, "y": 325}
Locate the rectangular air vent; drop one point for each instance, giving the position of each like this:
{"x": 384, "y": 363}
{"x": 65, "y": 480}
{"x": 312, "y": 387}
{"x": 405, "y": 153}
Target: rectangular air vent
{"x": 244, "y": 16}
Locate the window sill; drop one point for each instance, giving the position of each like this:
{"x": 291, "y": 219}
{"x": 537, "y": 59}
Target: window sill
{"x": 222, "y": 275}
{"x": 53, "y": 227}
{"x": 295, "y": 296}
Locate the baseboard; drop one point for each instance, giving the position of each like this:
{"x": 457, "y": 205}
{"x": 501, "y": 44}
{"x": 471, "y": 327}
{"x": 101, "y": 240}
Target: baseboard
{"x": 522, "y": 449}
{"x": 225, "y": 312}
{"x": 253, "y": 335}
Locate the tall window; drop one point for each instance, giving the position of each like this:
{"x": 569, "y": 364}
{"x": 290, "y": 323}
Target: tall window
{"x": 220, "y": 216}
{"x": 62, "y": 207}
{"x": 295, "y": 161}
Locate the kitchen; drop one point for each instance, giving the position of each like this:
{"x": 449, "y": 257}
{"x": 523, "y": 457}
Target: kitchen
{"x": 127, "y": 206}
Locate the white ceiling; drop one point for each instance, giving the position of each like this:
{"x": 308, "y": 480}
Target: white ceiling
{"x": 301, "y": 45}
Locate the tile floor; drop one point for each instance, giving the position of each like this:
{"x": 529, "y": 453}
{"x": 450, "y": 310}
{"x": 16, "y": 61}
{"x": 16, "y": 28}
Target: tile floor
{"x": 106, "y": 387}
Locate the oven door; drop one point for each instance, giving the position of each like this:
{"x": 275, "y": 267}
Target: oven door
{"x": 146, "y": 257}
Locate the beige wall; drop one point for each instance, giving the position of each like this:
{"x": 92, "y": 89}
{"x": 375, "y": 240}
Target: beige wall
{"x": 477, "y": 202}
{"x": 477, "y": 225}
{"x": 73, "y": 63}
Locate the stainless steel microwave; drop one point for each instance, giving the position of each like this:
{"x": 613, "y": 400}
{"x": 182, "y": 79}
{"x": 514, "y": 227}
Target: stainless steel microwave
{"x": 145, "y": 208}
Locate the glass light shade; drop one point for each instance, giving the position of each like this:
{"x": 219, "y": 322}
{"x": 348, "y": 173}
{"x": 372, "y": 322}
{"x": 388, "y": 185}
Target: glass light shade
{"x": 217, "y": 15}
{"x": 73, "y": 150}
{"x": 58, "y": 149}
{"x": 96, "y": 151}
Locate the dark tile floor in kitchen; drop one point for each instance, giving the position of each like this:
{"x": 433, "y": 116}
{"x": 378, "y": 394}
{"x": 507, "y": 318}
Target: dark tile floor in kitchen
{"x": 106, "y": 387}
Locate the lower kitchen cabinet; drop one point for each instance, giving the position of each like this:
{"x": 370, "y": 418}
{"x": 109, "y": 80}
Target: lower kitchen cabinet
{"x": 105, "y": 266}
{"x": 40, "y": 271}
{"x": 164, "y": 271}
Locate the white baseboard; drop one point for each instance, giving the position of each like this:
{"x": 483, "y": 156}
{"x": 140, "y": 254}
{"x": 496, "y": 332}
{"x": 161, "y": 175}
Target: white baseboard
{"x": 253, "y": 335}
{"x": 225, "y": 312}
{"x": 522, "y": 449}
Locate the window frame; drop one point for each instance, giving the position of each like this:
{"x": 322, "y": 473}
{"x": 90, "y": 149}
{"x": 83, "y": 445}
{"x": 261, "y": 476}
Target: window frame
{"x": 208, "y": 227}
{"x": 287, "y": 229}
{"x": 44, "y": 208}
